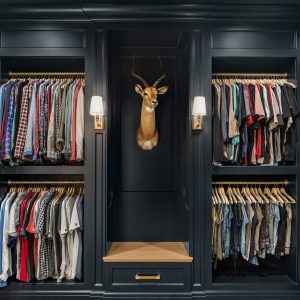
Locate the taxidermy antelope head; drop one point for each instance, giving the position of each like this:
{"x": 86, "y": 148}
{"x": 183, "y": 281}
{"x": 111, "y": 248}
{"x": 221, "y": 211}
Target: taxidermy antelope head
{"x": 147, "y": 134}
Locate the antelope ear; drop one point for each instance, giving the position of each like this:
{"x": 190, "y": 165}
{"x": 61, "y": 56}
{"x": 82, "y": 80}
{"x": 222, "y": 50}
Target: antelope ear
{"x": 139, "y": 89}
{"x": 162, "y": 90}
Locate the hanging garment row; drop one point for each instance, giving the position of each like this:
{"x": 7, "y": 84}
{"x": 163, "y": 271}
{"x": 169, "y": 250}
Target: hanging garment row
{"x": 251, "y": 221}
{"x": 41, "y": 233}
{"x": 253, "y": 121}
{"x": 42, "y": 121}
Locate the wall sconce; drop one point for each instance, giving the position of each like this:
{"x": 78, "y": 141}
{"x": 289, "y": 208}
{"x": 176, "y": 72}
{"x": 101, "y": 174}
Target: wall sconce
{"x": 199, "y": 110}
{"x": 97, "y": 110}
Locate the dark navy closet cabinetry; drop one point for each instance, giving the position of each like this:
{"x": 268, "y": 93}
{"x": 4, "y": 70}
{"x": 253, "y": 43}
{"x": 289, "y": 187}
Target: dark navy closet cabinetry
{"x": 159, "y": 198}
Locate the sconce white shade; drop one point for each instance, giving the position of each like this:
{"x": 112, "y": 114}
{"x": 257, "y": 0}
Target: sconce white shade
{"x": 199, "y": 106}
{"x": 96, "y": 108}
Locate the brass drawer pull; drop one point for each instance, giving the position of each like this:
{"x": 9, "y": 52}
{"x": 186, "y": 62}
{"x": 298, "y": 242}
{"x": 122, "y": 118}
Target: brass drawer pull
{"x": 147, "y": 277}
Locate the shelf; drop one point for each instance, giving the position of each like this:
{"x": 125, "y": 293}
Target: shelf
{"x": 261, "y": 279}
{"x": 269, "y": 271}
{"x": 36, "y": 170}
{"x": 263, "y": 170}
{"x": 147, "y": 252}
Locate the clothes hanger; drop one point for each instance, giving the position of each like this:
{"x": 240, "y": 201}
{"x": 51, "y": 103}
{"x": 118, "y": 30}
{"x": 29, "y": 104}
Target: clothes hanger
{"x": 253, "y": 200}
{"x": 213, "y": 197}
{"x": 223, "y": 196}
{"x": 291, "y": 199}
{"x": 218, "y": 201}
{"x": 285, "y": 199}
{"x": 224, "y": 193}
{"x": 269, "y": 194}
{"x": 235, "y": 199}
{"x": 228, "y": 195}
{"x": 81, "y": 191}
{"x": 239, "y": 194}
{"x": 258, "y": 195}
{"x": 60, "y": 195}
{"x": 248, "y": 200}
{"x": 220, "y": 198}
{"x": 280, "y": 201}
{"x": 254, "y": 192}
{"x": 265, "y": 199}
{"x": 11, "y": 189}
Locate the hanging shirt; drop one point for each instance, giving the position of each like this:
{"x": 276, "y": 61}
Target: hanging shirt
{"x": 80, "y": 125}
{"x": 23, "y": 123}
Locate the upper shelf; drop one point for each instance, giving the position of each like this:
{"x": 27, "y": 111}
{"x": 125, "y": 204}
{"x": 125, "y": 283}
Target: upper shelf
{"x": 148, "y": 252}
{"x": 254, "y": 170}
{"x": 36, "y": 170}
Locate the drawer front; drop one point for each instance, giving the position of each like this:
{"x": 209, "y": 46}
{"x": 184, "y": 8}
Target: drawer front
{"x": 148, "y": 276}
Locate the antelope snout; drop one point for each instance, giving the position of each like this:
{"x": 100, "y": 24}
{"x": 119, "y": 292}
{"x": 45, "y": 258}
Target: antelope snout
{"x": 154, "y": 103}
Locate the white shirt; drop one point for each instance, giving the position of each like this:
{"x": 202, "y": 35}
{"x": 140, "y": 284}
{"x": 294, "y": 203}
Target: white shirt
{"x": 12, "y": 229}
{"x": 63, "y": 232}
{"x": 74, "y": 229}
{"x": 70, "y": 237}
{"x": 6, "y": 251}
{"x": 79, "y": 125}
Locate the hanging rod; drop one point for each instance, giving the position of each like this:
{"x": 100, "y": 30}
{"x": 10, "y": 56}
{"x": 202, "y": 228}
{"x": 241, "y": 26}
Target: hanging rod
{"x": 285, "y": 182}
{"x": 251, "y": 74}
{"x": 34, "y": 74}
{"x": 54, "y": 182}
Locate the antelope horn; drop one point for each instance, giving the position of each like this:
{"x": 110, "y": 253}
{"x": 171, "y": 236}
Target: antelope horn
{"x": 140, "y": 78}
{"x": 159, "y": 80}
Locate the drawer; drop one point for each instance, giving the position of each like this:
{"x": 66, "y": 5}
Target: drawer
{"x": 143, "y": 276}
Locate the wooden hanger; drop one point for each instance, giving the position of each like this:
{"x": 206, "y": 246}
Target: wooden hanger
{"x": 265, "y": 199}
{"x": 269, "y": 194}
{"x": 248, "y": 200}
{"x": 235, "y": 199}
{"x": 229, "y": 195}
{"x": 61, "y": 191}
{"x": 255, "y": 195}
{"x": 213, "y": 197}
{"x": 216, "y": 195}
{"x": 262, "y": 199}
{"x": 285, "y": 199}
{"x": 291, "y": 199}
{"x": 253, "y": 200}
{"x": 224, "y": 195}
{"x": 220, "y": 196}
{"x": 238, "y": 192}
{"x": 280, "y": 201}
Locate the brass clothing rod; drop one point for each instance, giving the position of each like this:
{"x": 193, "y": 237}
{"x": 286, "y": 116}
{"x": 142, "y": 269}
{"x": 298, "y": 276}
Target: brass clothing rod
{"x": 285, "y": 182}
{"x": 251, "y": 74}
{"x": 54, "y": 182}
{"x": 14, "y": 74}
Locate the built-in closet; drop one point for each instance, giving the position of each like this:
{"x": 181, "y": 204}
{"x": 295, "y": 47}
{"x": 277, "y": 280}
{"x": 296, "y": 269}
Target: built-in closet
{"x": 148, "y": 215}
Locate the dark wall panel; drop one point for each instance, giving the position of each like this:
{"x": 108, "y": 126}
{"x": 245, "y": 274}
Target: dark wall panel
{"x": 253, "y": 40}
{"x": 42, "y": 39}
{"x": 144, "y": 216}
{"x": 147, "y": 170}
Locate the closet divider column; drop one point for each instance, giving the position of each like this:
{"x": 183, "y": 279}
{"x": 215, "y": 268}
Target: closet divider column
{"x": 199, "y": 149}
{"x": 90, "y": 229}
{"x": 100, "y": 156}
{"x": 297, "y": 242}
{"x": 207, "y": 158}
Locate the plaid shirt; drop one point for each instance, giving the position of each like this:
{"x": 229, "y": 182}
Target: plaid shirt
{"x": 23, "y": 121}
{"x": 9, "y": 125}
{"x": 4, "y": 118}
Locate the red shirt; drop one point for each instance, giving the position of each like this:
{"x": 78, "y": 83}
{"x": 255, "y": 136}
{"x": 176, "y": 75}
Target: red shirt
{"x": 73, "y": 145}
{"x": 251, "y": 118}
{"x": 22, "y": 211}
